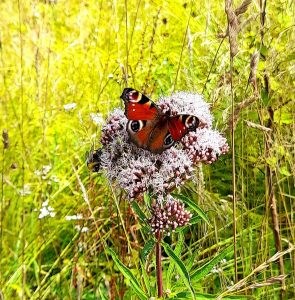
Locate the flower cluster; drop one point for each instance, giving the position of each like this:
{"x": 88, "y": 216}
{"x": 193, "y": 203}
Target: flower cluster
{"x": 204, "y": 145}
{"x": 137, "y": 170}
{"x": 46, "y": 210}
{"x": 167, "y": 217}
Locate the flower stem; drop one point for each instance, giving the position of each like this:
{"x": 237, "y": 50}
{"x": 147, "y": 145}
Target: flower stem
{"x": 159, "y": 264}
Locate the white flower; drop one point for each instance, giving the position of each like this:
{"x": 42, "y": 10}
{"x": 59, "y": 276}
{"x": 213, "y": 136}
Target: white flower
{"x": 45, "y": 203}
{"x": 43, "y": 172}
{"x": 204, "y": 145}
{"x": 46, "y": 169}
{"x": 81, "y": 229}
{"x": 74, "y": 217}
{"x": 46, "y": 210}
{"x": 25, "y": 191}
{"x": 54, "y": 178}
{"x": 187, "y": 103}
{"x": 96, "y": 118}
{"x": 84, "y": 229}
{"x": 70, "y": 106}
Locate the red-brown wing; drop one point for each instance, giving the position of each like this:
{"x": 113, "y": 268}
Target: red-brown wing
{"x": 139, "y": 106}
{"x": 160, "y": 138}
{"x": 139, "y": 132}
{"x": 143, "y": 115}
{"x": 180, "y": 125}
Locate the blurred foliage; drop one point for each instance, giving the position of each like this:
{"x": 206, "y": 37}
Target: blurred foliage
{"x": 53, "y": 53}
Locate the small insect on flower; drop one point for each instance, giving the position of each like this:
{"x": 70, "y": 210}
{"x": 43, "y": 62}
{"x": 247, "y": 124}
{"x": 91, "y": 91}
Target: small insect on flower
{"x": 94, "y": 161}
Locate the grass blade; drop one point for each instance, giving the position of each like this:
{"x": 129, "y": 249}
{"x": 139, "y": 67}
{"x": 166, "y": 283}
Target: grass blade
{"x": 145, "y": 277}
{"x": 204, "y": 270}
{"x": 139, "y": 211}
{"x": 127, "y": 274}
{"x": 148, "y": 247}
{"x": 177, "y": 251}
{"x": 183, "y": 272}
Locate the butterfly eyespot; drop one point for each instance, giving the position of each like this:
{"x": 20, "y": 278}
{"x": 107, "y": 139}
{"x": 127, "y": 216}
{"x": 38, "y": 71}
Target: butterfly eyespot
{"x": 168, "y": 141}
{"x": 135, "y": 126}
{"x": 134, "y": 96}
{"x": 191, "y": 122}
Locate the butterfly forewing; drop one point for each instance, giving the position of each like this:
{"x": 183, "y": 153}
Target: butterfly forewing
{"x": 139, "y": 106}
{"x": 142, "y": 114}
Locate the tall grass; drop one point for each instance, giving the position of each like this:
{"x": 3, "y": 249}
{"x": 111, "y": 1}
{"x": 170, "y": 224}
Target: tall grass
{"x": 53, "y": 53}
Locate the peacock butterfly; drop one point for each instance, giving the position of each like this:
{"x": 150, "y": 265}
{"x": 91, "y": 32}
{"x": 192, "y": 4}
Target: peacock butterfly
{"x": 151, "y": 129}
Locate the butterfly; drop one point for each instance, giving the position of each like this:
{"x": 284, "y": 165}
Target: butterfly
{"x": 151, "y": 129}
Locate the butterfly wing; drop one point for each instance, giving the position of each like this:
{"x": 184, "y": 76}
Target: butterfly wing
{"x": 138, "y": 106}
{"x": 169, "y": 130}
{"x": 142, "y": 114}
{"x": 180, "y": 125}
{"x": 149, "y": 128}
{"x": 160, "y": 138}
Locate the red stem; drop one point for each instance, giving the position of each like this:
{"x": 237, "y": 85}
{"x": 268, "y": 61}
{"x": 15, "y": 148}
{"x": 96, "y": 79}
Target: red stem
{"x": 159, "y": 265}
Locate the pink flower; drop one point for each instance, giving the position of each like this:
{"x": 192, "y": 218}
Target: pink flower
{"x": 138, "y": 171}
{"x": 167, "y": 217}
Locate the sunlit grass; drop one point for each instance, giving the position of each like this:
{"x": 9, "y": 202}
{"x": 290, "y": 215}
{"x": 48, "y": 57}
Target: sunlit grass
{"x": 58, "y": 52}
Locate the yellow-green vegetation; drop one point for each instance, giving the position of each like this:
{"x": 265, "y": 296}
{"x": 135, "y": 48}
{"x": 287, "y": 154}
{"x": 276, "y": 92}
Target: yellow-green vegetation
{"x": 57, "y": 53}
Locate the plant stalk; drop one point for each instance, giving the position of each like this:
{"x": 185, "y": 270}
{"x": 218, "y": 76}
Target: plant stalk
{"x": 159, "y": 264}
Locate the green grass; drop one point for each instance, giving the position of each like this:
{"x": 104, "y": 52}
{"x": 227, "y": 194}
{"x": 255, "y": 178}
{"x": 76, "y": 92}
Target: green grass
{"x": 79, "y": 52}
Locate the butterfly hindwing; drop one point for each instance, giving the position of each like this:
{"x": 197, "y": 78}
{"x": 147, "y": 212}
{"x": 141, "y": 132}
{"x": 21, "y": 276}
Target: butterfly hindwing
{"x": 180, "y": 125}
{"x": 160, "y": 138}
{"x": 139, "y": 132}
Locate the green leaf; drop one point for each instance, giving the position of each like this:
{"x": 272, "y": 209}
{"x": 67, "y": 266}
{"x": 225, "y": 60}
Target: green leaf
{"x": 147, "y": 199}
{"x": 183, "y": 272}
{"x": 177, "y": 251}
{"x": 191, "y": 260}
{"x": 138, "y": 211}
{"x": 128, "y": 274}
{"x": 145, "y": 277}
{"x": 284, "y": 171}
{"x": 195, "y": 220}
{"x": 102, "y": 295}
{"x": 193, "y": 206}
{"x": 264, "y": 97}
{"x": 199, "y": 296}
{"x": 263, "y": 51}
{"x": 148, "y": 247}
{"x": 204, "y": 270}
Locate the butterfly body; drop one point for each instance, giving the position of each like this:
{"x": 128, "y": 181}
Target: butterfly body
{"x": 151, "y": 129}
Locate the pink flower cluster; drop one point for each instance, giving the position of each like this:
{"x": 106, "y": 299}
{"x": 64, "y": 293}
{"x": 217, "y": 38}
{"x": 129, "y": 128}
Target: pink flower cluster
{"x": 167, "y": 217}
{"x": 137, "y": 170}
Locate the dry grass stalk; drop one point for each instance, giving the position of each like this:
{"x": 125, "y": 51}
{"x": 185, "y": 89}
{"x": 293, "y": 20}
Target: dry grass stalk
{"x": 5, "y": 139}
{"x": 253, "y": 70}
{"x": 234, "y": 23}
{"x": 233, "y": 27}
{"x": 264, "y": 265}
{"x": 243, "y": 7}
{"x": 257, "y": 126}
{"x": 233, "y": 120}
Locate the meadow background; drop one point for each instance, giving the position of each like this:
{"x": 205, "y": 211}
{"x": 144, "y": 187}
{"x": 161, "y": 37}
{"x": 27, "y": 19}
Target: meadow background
{"x": 56, "y": 53}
